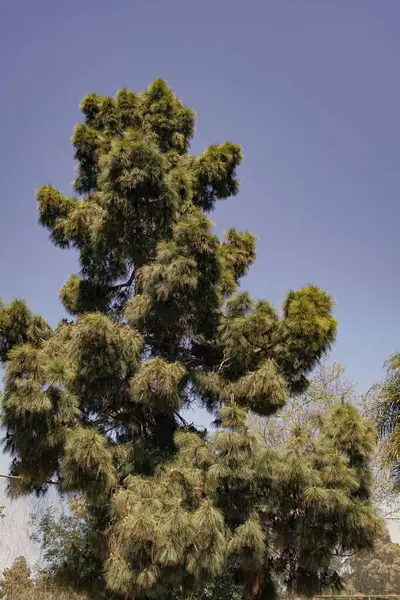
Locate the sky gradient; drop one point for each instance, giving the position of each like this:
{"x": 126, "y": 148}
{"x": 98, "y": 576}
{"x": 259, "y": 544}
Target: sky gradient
{"x": 310, "y": 89}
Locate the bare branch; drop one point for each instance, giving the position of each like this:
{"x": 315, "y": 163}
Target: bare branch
{"x": 20, "y": 478}
{"x": 125, "y": 284}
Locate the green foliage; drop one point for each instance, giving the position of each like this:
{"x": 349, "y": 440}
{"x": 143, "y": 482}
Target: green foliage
{"x": 159, "y": 323}
{"x": 73, "y": 548}
{"x": 377, "y": 572}
{"x": 16, "y": 580}
{"x": 387, "y": 413}
{"x": 231, "y": 499}
{"x": 328, "y": 388}
{"x": 17, "y": 584}
{"x": 223, "y": 588}
{"x": 19, "y": 326}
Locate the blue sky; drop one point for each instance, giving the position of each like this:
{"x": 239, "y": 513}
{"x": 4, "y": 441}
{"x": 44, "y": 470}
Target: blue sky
{"x": 310, "y": 88}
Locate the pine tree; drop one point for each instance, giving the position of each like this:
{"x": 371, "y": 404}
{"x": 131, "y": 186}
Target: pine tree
{"x": 328, "y": 388}
{"x": 158, "y": 323}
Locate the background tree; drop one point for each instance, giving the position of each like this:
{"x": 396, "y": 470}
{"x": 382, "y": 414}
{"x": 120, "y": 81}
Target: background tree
{"x": 71, "y": 545}
{"x": 376, "y": 572}
{"x": 2, "y": 515}
{"x": 328, "y": 388}
{"x": 16, "y": 580}
{"x": 158, "y": 322}
{"x": 386, "y": 410}
{"x": 17, "y": 584}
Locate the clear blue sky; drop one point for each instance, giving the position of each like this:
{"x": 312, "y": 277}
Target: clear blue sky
{"x": 310, "y": 88}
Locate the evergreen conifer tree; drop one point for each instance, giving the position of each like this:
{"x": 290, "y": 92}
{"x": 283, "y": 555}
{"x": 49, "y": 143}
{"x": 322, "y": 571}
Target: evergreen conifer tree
{"x": 158, "y": 322}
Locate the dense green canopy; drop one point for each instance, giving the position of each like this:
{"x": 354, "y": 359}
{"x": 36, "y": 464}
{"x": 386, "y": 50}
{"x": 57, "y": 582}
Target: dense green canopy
{"x": 158, "y": 322}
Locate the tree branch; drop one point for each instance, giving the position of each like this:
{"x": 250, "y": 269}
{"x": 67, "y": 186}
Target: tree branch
{"x": 125, "y": 284}
{"x": 20, "y": 478}
{"x": 181, "y": 418}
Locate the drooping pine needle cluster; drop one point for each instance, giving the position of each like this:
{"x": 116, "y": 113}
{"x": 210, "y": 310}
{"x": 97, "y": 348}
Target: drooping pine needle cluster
{"x": 158, "y": 323}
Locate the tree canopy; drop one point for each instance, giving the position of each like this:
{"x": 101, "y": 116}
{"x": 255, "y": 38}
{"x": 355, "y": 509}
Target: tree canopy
{"x": 387, "y": 413}
{"x": 375, "y": 573}
{"x": 328, "y": 388}
{"x": 158, "y": 322}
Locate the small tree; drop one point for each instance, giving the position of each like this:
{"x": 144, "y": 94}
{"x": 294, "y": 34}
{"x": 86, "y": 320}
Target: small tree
{"x": 158, "y": 322}
{"x": 16, "y": 580}
{"x": 17, "y": 584}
